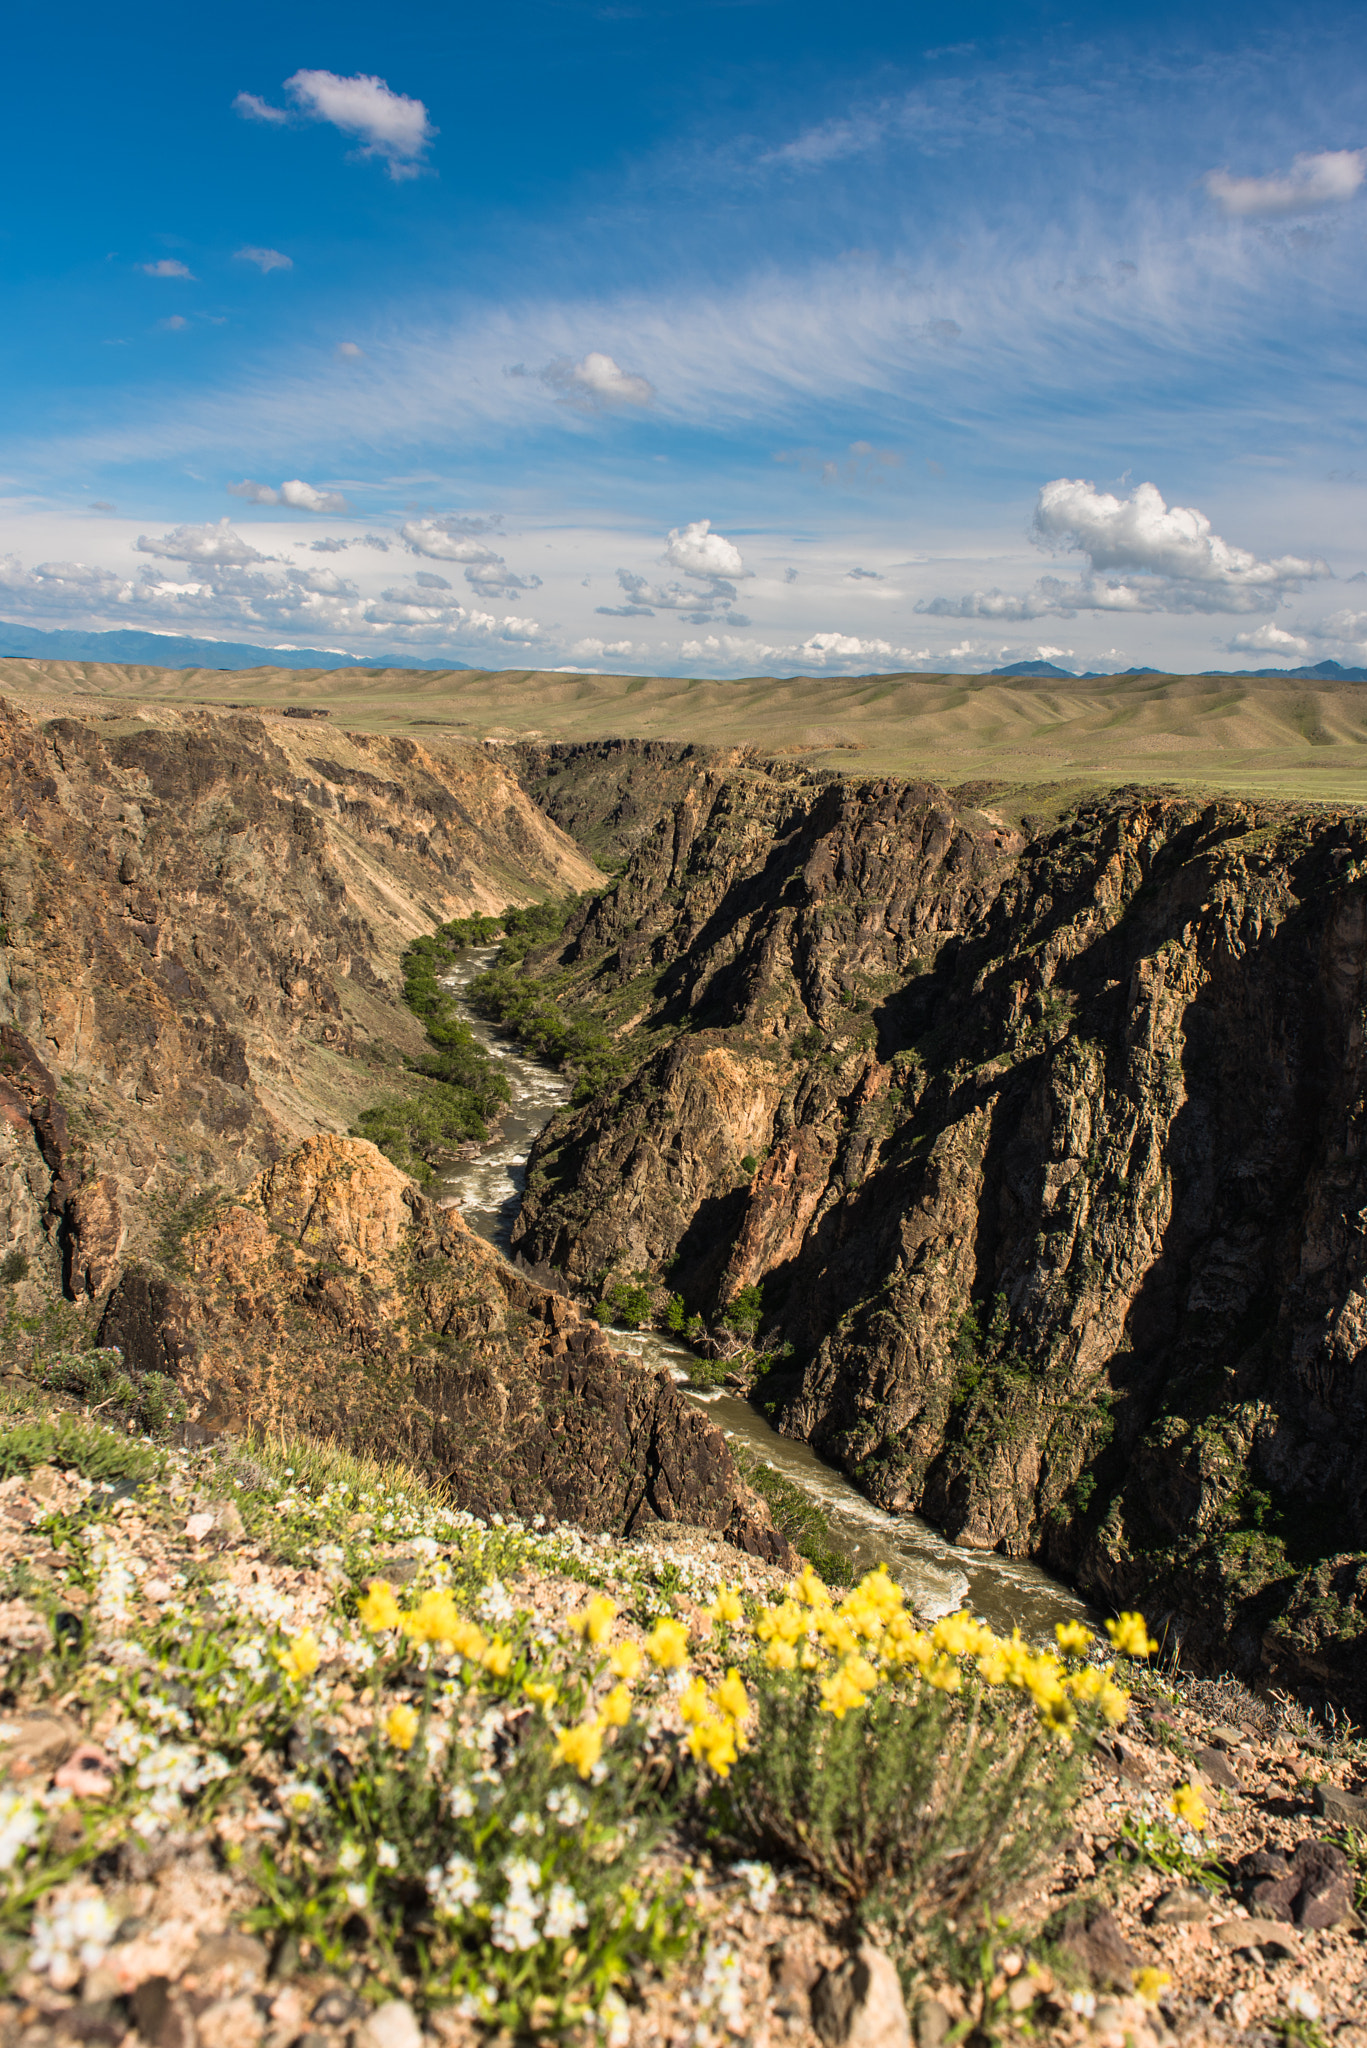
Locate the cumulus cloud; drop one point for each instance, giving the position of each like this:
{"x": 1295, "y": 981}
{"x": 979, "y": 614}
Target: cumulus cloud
{"x": 167, "y": 266}
{"x": 328, "y": 545}
{"x": 453, "y": 540}
{"x": 699, "y": 552}
{"x": 1313, "y": 182}
{"x": 591, "y": 649}
{"x": 1142, "y": 556}
{"x": 387, "y": 124}
{"x": 349, "y": 350}
{"x": 1268, "y": 639}
{"x": 597, "y": 382}
{"x": 864, "y": 575}
{"x": 264, "y": 259}
{"x": 295, "y": 492}
{"x": 218, "y": 544}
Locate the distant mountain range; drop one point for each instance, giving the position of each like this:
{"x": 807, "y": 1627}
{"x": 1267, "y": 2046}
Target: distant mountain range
{"x": 178, "y": 650}
{"x": 1322, "y": 672}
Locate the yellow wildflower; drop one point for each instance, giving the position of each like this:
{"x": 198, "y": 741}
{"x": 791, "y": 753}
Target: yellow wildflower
{"x": 1073, "y": 1639}
{"x": 469, "y": 1640}
{"x": 378, "y": 1608}
{"x": 594, "y": 1622}
{"x": 693, "y": 1702}
{"x": 864, "y": 1674}
{"x": 959, "y": 1635}
{"x": 731, "y": 1696}
{"x": 727, "y": 1606}
{"x": 580, "y": 1746}
{"x": 400, "y": 1725}
{"x": 302, "y": 1658}
{"x": 1114, "y": 1703}
{"x": 626, "y": 1660}
{"x": 617, "y": 1707}
{"x": 544, "y": 1694}
{"x": 839, "y": 1693}
{"x": 810, "y": 1588}
{"x": 780, "y": 1656}
{"x": 435, "y": 1619}
{"x": 714, "y": 1742}
{"x": 497, "y": 1657}
{"x": 786, "y": 1622}
{"x": 667, "y": 1645}
{"x": 1130, "y": 1637}
{"x": 944, "y": 1674}
{"x": 1148, "y": 1982}
{"x": 1190, "y": 1808}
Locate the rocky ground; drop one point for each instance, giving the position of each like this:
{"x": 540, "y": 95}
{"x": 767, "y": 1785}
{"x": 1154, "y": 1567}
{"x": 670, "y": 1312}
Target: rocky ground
{"x": 1142, "y": 1931}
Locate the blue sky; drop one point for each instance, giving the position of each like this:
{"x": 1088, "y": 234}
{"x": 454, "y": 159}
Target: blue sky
{"x": 727, "y": 338}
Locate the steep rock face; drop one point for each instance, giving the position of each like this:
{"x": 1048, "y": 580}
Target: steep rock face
{"x": 332, "y": 1297}
{"x": 1062, "y": 1206}
{"x": 202, "y": 915}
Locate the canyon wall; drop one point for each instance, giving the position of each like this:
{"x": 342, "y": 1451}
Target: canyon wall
{"x": 1046, "y": 1148}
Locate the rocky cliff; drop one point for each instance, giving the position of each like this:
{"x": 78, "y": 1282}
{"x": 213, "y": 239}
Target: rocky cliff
{"x": 332, "y": 1297}
{"x": 1047, "y": 1150}
{"x": 202, "y": 922}
{"x": 202, "y": 917}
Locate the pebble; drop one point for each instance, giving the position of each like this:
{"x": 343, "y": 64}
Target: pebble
{"x": 1269, "y": 1934}
{"x": 857, "y": 2006}
{"x": 1183, "y": 1906}
{"x": 393, "y": 2025}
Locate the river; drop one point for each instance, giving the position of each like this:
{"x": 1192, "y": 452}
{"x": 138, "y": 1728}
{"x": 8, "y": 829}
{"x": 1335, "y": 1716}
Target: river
{"x": 938, "y": 1576}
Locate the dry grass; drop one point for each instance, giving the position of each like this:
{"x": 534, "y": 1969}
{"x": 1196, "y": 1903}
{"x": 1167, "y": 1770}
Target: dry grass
{"x": 1255, "y": 736}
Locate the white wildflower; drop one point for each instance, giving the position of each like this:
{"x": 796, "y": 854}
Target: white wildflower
{"x": 513, "y": 1926}
{"x": 461, "y": 1803}
{"x": 564, "y": 1804}
{"x": 1304, "y": 2004}
{"x": 495, "y": 1603}
{"x": 565, "y": 1911}
{"x": 72, "y": 1935}
{"x": 454, "y": 1886}
{"x": 720, "y": 1992}
{"x": 21, "y": 1823}
{"x": 386, "y": 1856}
{"x": 760, "y": 1882}
{"x": 298, "y": 1798}
{"x": 350, "y": 1857}
{"x": 357, "y": 1895}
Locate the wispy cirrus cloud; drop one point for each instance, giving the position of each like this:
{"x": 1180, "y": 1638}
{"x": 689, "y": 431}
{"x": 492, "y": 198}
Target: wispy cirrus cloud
{"x": 301, "y": 496}
{"x": 265, "y": 260}
{"x": 1329, "y": 178}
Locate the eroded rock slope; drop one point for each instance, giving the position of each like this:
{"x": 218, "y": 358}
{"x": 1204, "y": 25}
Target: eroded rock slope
{"x": 1047, "y": 1150}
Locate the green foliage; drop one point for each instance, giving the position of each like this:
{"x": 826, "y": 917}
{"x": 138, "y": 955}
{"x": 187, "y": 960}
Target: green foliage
{"x": 695, "y": 1329}
{"x": 1160, "y": 1845}
{"x": 415, "y": 1131}
{"x": 519, "y": 1004}
{"x": 796, "y": 1516}
{"x": 464, "y": 1086}
{"x": 14, "y": 1267}
{"x": 675, "y": 1318}
{"x": 178, "y": 1219}
{"x": 749, "y": 1164}
{"x": 602, "y": 1314}
{"x": 150, "y": 1401}
{"x": 1353, "y": 1842}
{"x": 518, "y": 1892}
{"x": 917, "y": 1804}
{"x": 75, "y": 1445}
{"x": 630, "y": 1304}
{"x": 744, "y": 1311}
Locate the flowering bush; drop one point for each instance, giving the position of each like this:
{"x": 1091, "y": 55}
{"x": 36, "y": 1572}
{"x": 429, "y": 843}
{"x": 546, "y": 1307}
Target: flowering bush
{"x": 911, "y": 1768}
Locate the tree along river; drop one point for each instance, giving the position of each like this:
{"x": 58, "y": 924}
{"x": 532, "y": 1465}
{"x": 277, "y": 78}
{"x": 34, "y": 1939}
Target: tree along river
{"x": 938, "y": 1576}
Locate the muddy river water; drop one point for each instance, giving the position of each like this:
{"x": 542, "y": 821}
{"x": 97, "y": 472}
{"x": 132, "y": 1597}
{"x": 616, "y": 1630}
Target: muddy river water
{"x": 937, "y": 1575}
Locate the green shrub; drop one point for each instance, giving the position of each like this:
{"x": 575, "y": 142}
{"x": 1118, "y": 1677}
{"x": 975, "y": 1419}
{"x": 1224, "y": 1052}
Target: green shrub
{"x": 914, "y": 1775}
{"x": 796, "y": 1516}
{"x": 75, "y": 1445}
{"x": 631, "y": 1304}
{"x": 743, "y": 1312}
{"x": 150, "y": 1401}
{"x": 14, "y": 1267}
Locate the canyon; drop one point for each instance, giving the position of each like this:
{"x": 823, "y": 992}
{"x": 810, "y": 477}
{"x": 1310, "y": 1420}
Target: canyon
{"x": 1039, "y": 1131}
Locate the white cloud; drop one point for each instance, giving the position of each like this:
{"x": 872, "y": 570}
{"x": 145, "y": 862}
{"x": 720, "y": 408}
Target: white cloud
{"x": 175, "y": 323}
{"x": 597, "y": 381}
{"x": 590, "y": 649}
{"x": 303, "y": 497}
{"x": 388, "y": 124}
{"x": 349, "y": 350}
{"x": 1142, "y": 535}
{"x": 1326, "y": 179}
{"x": 252, "y": 108}
{"x": 447, "y": 540}
{"x": 1142, "y": 556}
{"x": 699, "y": 552}
{"x": 167, "y": 266}
{"x": 1268, "y": 639}
{"x": 264, "y": 259}
{"x": 204, "y": 544}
